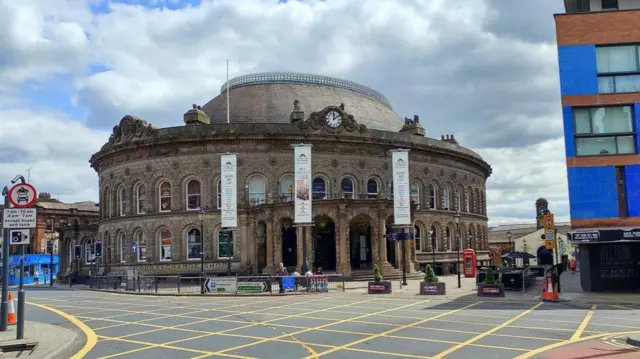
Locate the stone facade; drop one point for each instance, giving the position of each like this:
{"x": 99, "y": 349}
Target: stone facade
{"x": 153, "y": 183}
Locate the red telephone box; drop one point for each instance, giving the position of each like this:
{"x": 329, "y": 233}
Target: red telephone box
{"x": 469, "y": 263}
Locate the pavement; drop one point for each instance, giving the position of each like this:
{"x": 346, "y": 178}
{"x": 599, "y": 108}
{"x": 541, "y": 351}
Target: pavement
{"x": 349, "y": 324}
{"x": 52, "y": 341}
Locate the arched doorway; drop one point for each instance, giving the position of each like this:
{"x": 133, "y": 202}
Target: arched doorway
{"x": 360, "y": 242}
{"x": 324, "y": 244}
{"x": 391, "y": 244}
{"x": 289, "y": 242}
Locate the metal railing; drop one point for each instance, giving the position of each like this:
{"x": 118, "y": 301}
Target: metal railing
{"x": 318, "y": 196}
{"x": 177, "y": 284}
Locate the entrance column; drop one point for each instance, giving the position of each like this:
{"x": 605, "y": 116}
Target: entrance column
{"x": 343, "y": 235}
{"x": 309, "y": 240}
{"x": 385, "y": 266}
{"x": 269, "y": 265}
{"x": 299, "y": 249}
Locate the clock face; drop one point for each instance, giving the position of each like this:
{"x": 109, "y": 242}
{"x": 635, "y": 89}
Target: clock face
{"x": 333, "y": 119}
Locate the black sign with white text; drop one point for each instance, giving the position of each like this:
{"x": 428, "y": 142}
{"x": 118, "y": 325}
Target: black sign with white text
{"x": 606, "y": 235}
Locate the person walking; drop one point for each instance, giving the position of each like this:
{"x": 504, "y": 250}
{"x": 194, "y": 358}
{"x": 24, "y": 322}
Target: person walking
{"x": 572, "y": 267}
{"x": 281, "y": 272}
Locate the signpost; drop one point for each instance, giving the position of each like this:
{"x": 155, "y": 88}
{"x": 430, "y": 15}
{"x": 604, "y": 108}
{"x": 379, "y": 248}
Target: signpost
{"x": 253, "y": 287}
{"x": 221, "y": 285}
{"x": 549, "y": 231}
{"x": 18, "y": 218}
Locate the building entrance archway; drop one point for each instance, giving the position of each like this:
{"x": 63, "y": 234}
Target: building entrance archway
{"x": 289, "y": 243}
{"x": 324, "y": 244}
{"x": 360, "y": 242}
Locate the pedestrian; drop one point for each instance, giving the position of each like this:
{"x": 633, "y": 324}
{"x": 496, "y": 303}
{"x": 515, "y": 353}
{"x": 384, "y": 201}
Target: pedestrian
{"x": 281, "y": 272}
{"x": 572, "y": 267}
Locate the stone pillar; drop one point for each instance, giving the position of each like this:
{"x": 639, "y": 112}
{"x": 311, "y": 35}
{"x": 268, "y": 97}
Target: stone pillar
{"x": 269, "y": 265}
{"x": 299, "y": 249}
{"x": 309, "y": 240}
{"x": 344, "y": 265}
{"x": 277, "y": 243}
{"x": 251, "y": 243}
{"x": 242, "y": 244}
{"x": 385, "y": 266}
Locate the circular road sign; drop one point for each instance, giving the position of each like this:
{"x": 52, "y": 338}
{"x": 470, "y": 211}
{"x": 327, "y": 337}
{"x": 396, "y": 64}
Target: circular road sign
{"x": 549, "y": 223}
{"x": 22, "y": 195}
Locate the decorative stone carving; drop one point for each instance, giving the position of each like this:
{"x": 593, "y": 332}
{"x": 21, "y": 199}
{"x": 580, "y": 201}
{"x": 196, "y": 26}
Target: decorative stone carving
{"x": 273, "y": 162}
{"x": 385, "y": 166}
{"x": 148, "y": 168}
{"x": 131, "y": 128}
{"x": 206, "y": 163}
{"x": 175, "y": 165}
{"x": 317, "y": 122}
{"x": 335, "y": 163}
{"x": 362, "y": 164}
{"x": 127, "y": 172}
{"x": 240, "y": 162}
{"x": 111, "y": 175}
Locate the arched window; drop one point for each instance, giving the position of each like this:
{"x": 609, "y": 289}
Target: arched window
{"x": 164, "y": 239}
{"x": 433, "y": 199}
{"x": 141, "y": 247}
{"x": 287, "y": 188}
{"x": 194, "y": 244}
{"x": 372, "y": 188}
{"x": 219, "y": 194}
{"x": 89, "y": 252}
{"x": 434, "y": 237}
{"x": 121, "y": 248}
{"x": 415, "y": 194}
{"x": 122, "y": 201}
{"x": 447, "y": 238}
{"x": 418, "y": 238}
{"x": 257, "y": 191}
{"x": 347, "y": 187}
{"x": 225, "y": 244}
{"x": 141, "y": 198}
{"x": 467, "y": 199}
{"x": 193, "y": 195}
{"x": 446, "y": 198}
{"x": 164, "y": 195}
{"x": 319, "y": 188}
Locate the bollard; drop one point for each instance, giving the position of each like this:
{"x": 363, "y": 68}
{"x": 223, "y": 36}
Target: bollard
{"x": 20, "y": 326}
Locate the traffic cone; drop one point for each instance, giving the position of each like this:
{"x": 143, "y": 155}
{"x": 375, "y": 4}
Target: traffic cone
{"x": 549, "y": 290}
{"x": 12, "y": 318}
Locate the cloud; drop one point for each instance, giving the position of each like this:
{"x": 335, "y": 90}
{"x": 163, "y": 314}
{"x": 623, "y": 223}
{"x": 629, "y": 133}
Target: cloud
{"x": 484, "y": 70}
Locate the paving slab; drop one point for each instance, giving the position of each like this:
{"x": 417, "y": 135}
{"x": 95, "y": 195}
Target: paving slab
{"x": 53, "y": 341}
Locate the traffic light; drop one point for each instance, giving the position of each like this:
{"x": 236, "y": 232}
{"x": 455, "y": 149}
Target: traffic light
{"x": 98, "y": 249}
{"x": 77, "y": 252}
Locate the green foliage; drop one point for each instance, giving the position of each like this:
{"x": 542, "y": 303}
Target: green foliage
{"x": 377, "y": 277}
{"x": 489, "y": 277}
{"x": 430, "y": 276}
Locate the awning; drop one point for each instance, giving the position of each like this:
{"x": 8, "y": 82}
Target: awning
{"x": 604, "y": 235}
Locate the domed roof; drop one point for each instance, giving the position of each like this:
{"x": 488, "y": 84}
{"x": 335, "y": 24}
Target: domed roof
{"x": 268, "y": 98}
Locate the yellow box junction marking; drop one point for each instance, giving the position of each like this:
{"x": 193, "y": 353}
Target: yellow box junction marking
{"x": 584, "y": 323}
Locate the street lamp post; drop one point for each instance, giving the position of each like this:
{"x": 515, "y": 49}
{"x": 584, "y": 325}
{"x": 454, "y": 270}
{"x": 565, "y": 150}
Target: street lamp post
{"x": 456, "y": 220}
{"x": 201, "y": 217}
{"x": 51, "y": 264}
{"x": 509, "y": 236}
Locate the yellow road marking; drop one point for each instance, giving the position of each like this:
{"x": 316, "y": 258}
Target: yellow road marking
{"x": 228, "y": 330}
{"x": 584, "y": 323}
{"x": 485, "y": 334}
{"x": 92, "y": 339}
{"x": 568, "y": 342}
{"x": 374, "y": 336}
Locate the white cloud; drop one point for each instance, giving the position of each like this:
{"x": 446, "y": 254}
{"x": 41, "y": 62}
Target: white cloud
{"x": 466, "y": 68}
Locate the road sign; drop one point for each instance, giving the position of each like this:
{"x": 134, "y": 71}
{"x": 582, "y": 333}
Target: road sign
{"x": 22, "y": 195}
{"x": 252, "y": 287}
{"x": 19, "y": 218}
{"x": 549, "y": 223}
{"x": 549, "y": 231}
{"x": 19, "y": 236}
{"x": 221, "y": 285}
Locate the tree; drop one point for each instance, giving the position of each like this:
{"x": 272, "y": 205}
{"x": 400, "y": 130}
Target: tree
{"x": 489, "y": 277}
{"x": 377, "y": 277}
{"x": 430, "y": 276}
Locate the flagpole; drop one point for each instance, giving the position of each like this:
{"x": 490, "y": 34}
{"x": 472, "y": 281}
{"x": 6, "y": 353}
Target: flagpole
{"x": 228, "y": 121}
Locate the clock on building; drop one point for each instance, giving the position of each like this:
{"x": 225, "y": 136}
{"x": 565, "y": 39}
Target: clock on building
{"x": 333, "y": 119}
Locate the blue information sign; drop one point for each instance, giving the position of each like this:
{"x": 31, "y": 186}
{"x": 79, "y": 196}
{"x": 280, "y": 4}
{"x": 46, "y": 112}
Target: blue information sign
{"x": 289, "y": 283}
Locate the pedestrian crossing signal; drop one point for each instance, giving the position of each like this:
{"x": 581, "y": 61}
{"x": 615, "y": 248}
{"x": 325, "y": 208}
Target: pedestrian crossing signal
{"x": 98, "y": 249}
{"x": 77, "y": 252}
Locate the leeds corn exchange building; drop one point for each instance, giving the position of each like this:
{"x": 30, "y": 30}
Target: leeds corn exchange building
{"x": 160, "y": 187}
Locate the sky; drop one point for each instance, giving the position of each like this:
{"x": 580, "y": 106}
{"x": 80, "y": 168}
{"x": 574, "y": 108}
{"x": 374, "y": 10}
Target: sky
{"x": 483, "y": 70}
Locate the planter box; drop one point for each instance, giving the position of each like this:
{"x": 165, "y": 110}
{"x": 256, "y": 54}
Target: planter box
{"x": 491, "y": 290}
{"x": 432, "y": 288}
{"x": 383, "y": 287}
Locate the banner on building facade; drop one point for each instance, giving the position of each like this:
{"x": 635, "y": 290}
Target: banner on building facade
{"x": 302, "y": 201}
{"x": 229, "y": 190}
{"x": 401, "y": 187}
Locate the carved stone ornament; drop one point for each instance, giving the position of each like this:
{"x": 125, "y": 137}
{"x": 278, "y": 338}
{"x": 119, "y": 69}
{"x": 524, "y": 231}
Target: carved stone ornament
{"x": 127, "y": 172}
{"x": 335, "y": 163}
{"x": 240, "y": 162}
{"x": 130, "y": 129}
{"x": 465, "y": 177}
{"x": 385, "y": 166}
{"x": 441, "y": 172}
{"x": 426, "y": 170}
{"x": 148, "y": 168}
{"x": 206, "y": 163}
{"x": 317, "y": 122}
{"x": 175, "y": 165}
{"x": 273, "y": 162}
{"x": 362, "y": 164}
{"x": 111, "y": 175}
{"x": 454, "y": 174}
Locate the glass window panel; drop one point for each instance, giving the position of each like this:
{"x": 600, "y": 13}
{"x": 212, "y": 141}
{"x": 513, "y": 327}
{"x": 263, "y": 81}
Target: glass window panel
{"x": 582, "y": 121}
{"x": 193, "y": 244}
{"x": 616, "y": 59}
{"x": 629, "y": 83}
{"x": 165, "y": 245}
{"x": 287, "y": 188}
{"x": 606, "y": 84}
{"x": 626, "y": 144}
{"x": 225, "y": 245}
{"x": 594, "y": 146}
{"x": 611, "y": 119}
{"x": 319, "y": 188}
{"x": 257, "y": 193}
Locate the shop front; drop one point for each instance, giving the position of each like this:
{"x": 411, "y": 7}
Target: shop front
{"x": 608, "y": 258}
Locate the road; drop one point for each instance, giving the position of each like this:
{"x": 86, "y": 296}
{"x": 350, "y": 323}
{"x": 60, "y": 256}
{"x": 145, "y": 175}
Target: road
{"x": 328, "y": 326}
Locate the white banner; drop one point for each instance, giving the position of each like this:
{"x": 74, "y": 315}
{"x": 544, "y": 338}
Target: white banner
{"x": 229, "y": 191}
{"x": 302, "y": 202}
{"x": 401, "y": 188}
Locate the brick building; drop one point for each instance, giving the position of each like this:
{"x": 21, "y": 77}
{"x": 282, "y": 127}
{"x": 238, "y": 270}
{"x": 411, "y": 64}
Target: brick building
{"x": 599, "y": 63}
{"x": 54, "y": 215}
{"x": 161, "y": 191}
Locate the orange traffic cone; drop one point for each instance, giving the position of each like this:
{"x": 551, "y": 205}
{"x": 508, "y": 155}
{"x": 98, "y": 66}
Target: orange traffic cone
{"x": 549, "y": 290}
{"x": 12, "y": 319}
